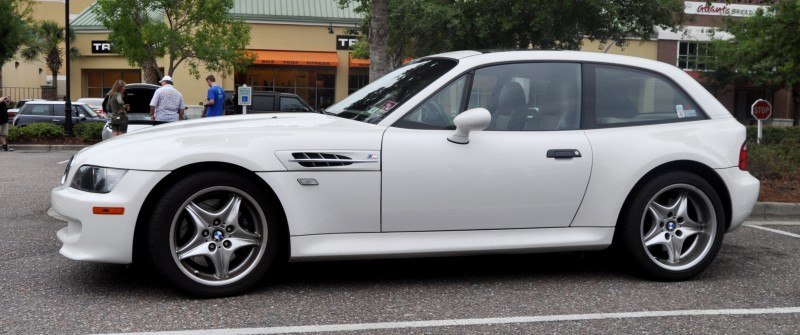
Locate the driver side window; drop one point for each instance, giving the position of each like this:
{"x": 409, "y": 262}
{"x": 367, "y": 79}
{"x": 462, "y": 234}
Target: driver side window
{"x": 439, "y": 110}
{"x": 529, "y": 96}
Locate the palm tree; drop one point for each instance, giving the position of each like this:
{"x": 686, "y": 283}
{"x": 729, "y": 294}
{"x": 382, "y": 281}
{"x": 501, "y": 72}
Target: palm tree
{"x": 47, "y": 41}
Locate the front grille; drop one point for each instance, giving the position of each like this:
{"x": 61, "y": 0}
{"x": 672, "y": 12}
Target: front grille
{"x": 320, "y": 159}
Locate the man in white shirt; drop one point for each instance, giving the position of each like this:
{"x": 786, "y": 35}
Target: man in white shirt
{"x": 167, "y": 103}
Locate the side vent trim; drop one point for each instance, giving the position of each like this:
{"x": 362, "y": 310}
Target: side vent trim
{"x": 329, "y": 160}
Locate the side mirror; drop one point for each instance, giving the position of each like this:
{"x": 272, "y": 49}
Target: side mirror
{"x": 82, "y": 116}
{"x": 475, "y": 119}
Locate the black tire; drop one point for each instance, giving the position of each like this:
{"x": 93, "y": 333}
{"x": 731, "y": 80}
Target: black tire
{"x": 173, "y": 233}
{"x": 697, "y": 232}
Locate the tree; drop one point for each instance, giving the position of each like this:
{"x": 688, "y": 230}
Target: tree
{"x": 14, "y": 27}
{"x": 431, "y": 26}
{"x": 764, "y": 51}
{"x": 379, "y": 39}
{"x": 187, "y": 32}
{"x": 46, "y": 40}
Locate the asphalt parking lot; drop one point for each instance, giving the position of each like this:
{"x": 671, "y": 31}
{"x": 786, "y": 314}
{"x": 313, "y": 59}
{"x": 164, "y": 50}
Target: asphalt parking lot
{"x": 753, "y": 287}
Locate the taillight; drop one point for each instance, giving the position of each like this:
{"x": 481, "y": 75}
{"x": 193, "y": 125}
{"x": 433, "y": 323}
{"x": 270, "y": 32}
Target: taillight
{"x": 743, "y": 157}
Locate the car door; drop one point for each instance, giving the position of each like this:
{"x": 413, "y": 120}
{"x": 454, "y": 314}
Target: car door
{"x": 58, "y": 114}
{"x": 262, "y": 103}
{"x": 528, "y": 169}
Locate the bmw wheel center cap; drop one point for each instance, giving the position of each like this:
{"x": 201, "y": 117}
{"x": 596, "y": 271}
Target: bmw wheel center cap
{"x": 218, "y": 235}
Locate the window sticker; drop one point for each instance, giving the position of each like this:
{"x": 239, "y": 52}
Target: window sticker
{"x": 690, "y": 112}
{"x": 388, "y": 105}
{"x": 680, "y": 111}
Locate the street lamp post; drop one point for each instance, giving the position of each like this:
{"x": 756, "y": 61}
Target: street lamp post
{"x": 67, "y": 99}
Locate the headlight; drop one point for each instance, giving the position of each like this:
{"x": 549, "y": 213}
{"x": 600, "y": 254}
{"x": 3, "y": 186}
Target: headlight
{"x": 66, "y": 170}
{"x": 96, "y": 179}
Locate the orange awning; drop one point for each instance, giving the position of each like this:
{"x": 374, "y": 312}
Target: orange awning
{"x": 296, "y": 58}
{"x": 358, "y": 62}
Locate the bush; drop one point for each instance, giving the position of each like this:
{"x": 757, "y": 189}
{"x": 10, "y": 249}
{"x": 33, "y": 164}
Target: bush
{"x": 14, "y": 134}
{"x": 89, "y": 131}
{"x": 38, "y": 131}
{"x": 778, "y": 156}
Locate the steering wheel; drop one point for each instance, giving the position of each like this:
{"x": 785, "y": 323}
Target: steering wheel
{"x": 433, "y": 114}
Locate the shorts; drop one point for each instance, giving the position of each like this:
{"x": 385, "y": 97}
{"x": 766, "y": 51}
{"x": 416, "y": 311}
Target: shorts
{"x": 4, "y": 129}
{"x": 119, "y": 123}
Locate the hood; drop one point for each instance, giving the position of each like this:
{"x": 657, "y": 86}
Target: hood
{"x": 249, "y": 141}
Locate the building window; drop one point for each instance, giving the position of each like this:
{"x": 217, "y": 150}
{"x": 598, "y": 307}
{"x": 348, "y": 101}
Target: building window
{"x": 358, "y": 78}
{"x": 693, "y": 56}
{"x": 99, "y": 82}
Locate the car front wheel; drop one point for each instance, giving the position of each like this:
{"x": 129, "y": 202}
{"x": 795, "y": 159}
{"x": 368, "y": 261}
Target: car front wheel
{"x": 211, "y": 234}
{"x": 674, "y": 226}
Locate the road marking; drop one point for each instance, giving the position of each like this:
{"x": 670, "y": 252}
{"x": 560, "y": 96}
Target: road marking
{"x": 473, "y": 322}
{"x": 773, "y": 230}
{"x": 775, "y": 223}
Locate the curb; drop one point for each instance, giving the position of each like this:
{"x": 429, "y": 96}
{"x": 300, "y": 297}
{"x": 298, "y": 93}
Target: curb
{"x": 47, "y": 147}
{"x": 775, "y": 211}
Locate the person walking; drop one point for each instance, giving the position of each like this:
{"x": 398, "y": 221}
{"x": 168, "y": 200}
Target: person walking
{"x": 167, "y": 103}
{"x": 215, "y": 98}
{"x": 118, "y": 108}
{"x": 5, "y": 102}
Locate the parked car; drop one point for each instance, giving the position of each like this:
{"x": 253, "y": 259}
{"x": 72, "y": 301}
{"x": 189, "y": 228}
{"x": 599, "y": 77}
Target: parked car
{"x": 138, "y": 96}
{"x": 95, "y": 103}
{"x": 12, "y": 113}
{"x": 53, "y": 112}
{"x": 457, "y": 153}
{"x": 267, "y": 102}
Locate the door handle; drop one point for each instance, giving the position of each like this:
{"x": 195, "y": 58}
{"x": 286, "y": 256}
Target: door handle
{"x": 563, "y": 153}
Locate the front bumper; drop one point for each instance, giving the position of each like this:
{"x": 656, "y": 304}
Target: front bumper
{"x": 743, "y": 189}
{"x": 102, "y": 238}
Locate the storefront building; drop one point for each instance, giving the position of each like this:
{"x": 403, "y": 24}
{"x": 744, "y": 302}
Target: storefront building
{"x": 688, "y": 50}
{"x": 301, "y": 47}
{"x": 22, "y": 79}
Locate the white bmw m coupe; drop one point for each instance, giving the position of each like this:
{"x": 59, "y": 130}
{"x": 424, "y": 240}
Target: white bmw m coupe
{"x": 452, "y": 154}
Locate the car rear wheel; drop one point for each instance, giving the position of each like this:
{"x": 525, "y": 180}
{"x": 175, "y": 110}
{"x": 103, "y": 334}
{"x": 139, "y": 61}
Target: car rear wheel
{"x": 211, "y": 234}
{"x": 674, "y": 226}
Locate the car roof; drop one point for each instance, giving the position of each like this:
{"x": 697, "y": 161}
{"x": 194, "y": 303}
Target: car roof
{"x": 141, "y": 85}
{"x": 275, "y": 93}
{"x": 50, "y": 102}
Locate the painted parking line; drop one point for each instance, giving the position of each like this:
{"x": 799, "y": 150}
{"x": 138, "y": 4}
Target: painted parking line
{"x": 773, "y": 230}
{"x": 475, "y": 322}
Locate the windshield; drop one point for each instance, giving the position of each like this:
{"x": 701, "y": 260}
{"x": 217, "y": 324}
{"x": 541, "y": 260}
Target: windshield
{"x": 86, "y": 110}
{"x": 377, "y": 100}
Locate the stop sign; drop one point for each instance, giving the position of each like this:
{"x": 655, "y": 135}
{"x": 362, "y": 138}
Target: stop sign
{"x": 761, "y": 109}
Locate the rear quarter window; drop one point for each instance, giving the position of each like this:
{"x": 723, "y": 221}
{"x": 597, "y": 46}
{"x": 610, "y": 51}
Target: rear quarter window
{"x": 264, "y": 103}
{"x": 38, "y": 110}
{"x": 628, "y": 96}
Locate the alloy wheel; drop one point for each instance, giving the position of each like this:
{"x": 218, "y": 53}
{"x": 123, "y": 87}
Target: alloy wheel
{"x": 678, "y": 227}
{"x": 218, "y": 236}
